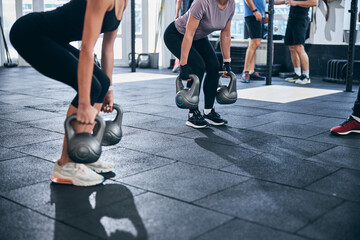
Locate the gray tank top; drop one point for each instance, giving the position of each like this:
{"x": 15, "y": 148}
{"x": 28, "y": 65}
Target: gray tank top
{"x": 212, "y": 18}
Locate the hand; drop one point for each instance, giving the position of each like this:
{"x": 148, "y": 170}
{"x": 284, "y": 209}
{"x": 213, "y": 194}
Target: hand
{"x": 176, "y": 16}
{"x": 257, "y": 16}
{"x": 108, "y": 102}
{"x": 86, "y": 114}
{"x": 227, "y": 69}
{"x": 185, "y": 70}
{"x": 266, "y": 20}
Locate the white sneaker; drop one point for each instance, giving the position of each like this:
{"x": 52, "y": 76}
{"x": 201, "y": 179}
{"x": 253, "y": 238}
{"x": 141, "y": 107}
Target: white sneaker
{"x": 101, "y": 166}
{"x": 76, "y": 174}
{"x": 293, "y": 78}
{"x": 303, "y": 80}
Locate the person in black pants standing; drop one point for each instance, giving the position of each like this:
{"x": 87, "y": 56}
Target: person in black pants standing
{"x": 43, "y": 40}
{"x": 352, "y": 124}
{"x": 187, "y": 39}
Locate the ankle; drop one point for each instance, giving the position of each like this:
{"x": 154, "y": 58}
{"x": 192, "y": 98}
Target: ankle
{"x": 63, "y": 161}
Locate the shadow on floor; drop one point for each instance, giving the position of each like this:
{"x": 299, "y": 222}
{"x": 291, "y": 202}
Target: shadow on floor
{"x": 102, "y": 216}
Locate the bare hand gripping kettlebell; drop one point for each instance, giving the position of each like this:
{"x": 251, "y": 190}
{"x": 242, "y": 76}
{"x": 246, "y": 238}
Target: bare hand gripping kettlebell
{"x": 113, "y": 132}
{"x": 84, "y": 147}
{"x": 187, "y": 97}
{"x": 227, "y": 94}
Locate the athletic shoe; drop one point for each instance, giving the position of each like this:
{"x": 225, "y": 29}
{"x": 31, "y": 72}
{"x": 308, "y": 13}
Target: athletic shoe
{"x": 101, "y": 166}
{"x": 176, "y": 67}
{"x": 303, "y": 80}
{"x": 292, "y": 78}
{"x": 214, "y": 118}
{"x": 349, "y": 126}
{"x": 245, "y": 77}
{"x": 76, "y": 174}
{"x": 196, "y": 120}
{"x": 256, "y": 76}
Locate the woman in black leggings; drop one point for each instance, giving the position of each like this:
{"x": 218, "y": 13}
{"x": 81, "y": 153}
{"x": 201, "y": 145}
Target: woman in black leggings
{"x": 42, "y": 39}
{"x": 187, "y": 39}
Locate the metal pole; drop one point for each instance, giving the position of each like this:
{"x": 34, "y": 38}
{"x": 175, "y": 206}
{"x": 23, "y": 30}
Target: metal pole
{"x": 351, "y": 51}
{"x": 269, "y": 55}
{"x": 133, "y": 60}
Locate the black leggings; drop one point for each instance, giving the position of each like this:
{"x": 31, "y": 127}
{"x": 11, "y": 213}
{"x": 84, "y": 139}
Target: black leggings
{"x": 52, "y": 58}
{"x": 202, "y": 58}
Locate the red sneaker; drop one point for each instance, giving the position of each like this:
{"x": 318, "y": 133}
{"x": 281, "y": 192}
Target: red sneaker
{"x": 349, "y": 126}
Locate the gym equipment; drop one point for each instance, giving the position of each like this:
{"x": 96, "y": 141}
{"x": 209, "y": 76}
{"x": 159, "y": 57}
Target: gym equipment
{"x": 227, "y": 94}
{"x": 143, "y": 60}
{"x": 9, "y": 63}
{"x": 187, "y": 97}
{"x": 113, "y": 132}
{"x": 84, "y": 147}
{"x": 130, "y": 58}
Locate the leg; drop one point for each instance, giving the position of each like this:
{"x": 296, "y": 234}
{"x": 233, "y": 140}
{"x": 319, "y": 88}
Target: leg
{"x": 294, "y": 57}
{"x": 302, "y": 55}
{"x": 251, "y": 55}
{"x": 356, "y": 108}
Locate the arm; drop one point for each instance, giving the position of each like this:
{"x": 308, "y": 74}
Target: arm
{"x": 178, "y": 8}
{"x": 277, "y": 2}
{"x": 225, "y": 43}
{"x": 95, "y": 11}
{"x": 304, "y": 4}
{"x": 191, "y": 27}
{"x": 251, "y": 5}
{"x": 107, "y": 63}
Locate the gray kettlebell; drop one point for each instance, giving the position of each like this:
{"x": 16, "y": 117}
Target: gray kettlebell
{"x": 227, "y": 94}
{"x": 187, "y": 97}
{"x": 113, "y": 132}
{"x": 143, "y": 60}
{"x": 84, "y": 147}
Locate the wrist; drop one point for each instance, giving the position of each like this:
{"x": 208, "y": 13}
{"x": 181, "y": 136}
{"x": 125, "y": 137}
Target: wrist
{"x": 111, "y": 88}
{"x": 227, "y": 60}
{"x": 255, "y": 10}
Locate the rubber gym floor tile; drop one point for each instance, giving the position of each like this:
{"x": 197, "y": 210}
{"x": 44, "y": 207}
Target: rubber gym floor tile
{"x": 130, "y": 118}
{"x": 290, "y": 129}
{"x": 352, "y": 140}
{"x": 29, "y": 115}
{"x": 239, "y": 229}
{"x": 181, "y": 114}
{"x": 209, "y": 154}
{"x": 25, "y": 136}
{"x": 56, "y": 107}
{"x": 8, "y": 207}
{"x": 280, "y": 169}
{"x": 286, "y": 117}
{"x": 151, "y": 142}
{"x": 8, "y": 126}
{"x": 26, "y": 224}
{"x": 149, "y": 216}
{"x": 24, "y": 100}
{"x": 170, "y": 126}
{"x": 340, "y": 156}
{"x": 9, "y": 108}
{"x": 50, "y": 150}
{"x": 344, "y": 184}
{"x": 128, "y": 162}
{"x": 6, "y": 154}
{"x": 327, "y": 123}
{"x": 270, "y": 204}
{"x": 341, "y": 223}
{"x": 62, "y": 201}
{"x": 20, "y": 172}
{"x": 146, "y": 108}
{"x": 184, "y": 181}
{"x": 224, "y": 135}
{"x": 285, "y": 146}
{"x": 246, "y": 111}
{"x": 244, "y": 122}
{"x": 52, "y": 124}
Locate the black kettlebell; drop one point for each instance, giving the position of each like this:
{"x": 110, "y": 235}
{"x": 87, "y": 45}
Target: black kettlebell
{"x": 187, "y": 97}
{"x": 113, "y": 132}
{"x": 143, "y": 60}
{"x": 227, "y": 94}
{"x": 84, "y": 147}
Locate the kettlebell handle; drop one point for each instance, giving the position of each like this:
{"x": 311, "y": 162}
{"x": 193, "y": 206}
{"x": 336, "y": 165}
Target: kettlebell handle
{"x": 180, "y": 85}
{"x": 119, "y": 113}
{"x": 69, "y": 131}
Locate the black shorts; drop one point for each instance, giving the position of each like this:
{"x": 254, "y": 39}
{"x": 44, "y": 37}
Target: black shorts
{"x": 253, "y": 29}
{"x": 296, "y": 31}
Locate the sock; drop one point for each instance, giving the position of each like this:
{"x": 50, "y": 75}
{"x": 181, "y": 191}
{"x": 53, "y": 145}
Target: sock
{"x": 297, "y": 71}
{"x": 356, "y": 118}
{"x": 306, "y": 73}
{"x": 207, "y": 111}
